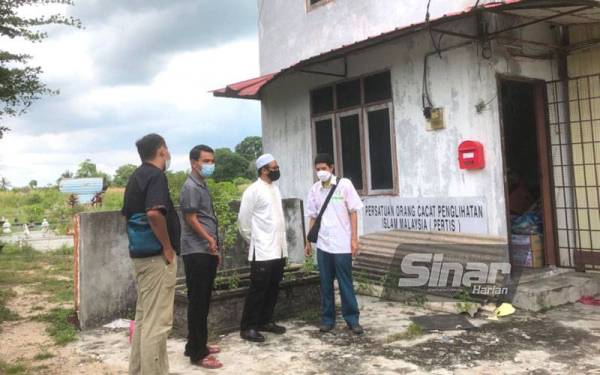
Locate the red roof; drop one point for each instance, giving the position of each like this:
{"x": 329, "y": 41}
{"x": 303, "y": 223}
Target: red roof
{"x": 250, "y": 89}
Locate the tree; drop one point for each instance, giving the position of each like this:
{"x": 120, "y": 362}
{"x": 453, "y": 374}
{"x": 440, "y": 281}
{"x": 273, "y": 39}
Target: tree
{"x": 87, "y": 169}
{"x": 229, "y": 165}
{"x": 4, "y": 184}
{"x": 20, "y": 83}
{"x": 250, "y": 148}
{"x": 122, "y": 174}
{"x": 65, "y": 174}
{"x": 33, "y": 184}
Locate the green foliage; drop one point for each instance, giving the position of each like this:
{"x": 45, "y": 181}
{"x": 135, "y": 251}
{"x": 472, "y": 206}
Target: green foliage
{"x": 122, "y": 174}
{"x": 5, "y": 313}
{"x": 176, "y": 181}
{"x": 309, "y": 265}
{"x": 412, "y": 332}
{"x": 33, "y": 184}
{"x": 20, "y": 82}
{"x": 230, "y": 165}
{"x": 60, "y": 327}
{"x": 88, "y": 169}
{"x": 250, "y": 148}
{"x": 223, "y": 193}
{"x": 234, "y": 281}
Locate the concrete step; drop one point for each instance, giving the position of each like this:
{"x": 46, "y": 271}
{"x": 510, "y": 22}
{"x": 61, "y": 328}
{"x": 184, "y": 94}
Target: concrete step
{"x": 560, "y": 289}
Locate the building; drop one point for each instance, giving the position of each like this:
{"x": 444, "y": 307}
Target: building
{"x": 396, "y": 90}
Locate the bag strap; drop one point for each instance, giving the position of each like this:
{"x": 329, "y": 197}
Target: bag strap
{"x": 333, "y": 187}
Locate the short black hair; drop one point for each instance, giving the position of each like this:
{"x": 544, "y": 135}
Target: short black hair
{"x": 148, "y": 145}
{"x": 195, "y": 152}
{"x": 324, "y": 158}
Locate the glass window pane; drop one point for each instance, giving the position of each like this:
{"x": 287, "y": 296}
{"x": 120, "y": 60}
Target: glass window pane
{"x": 324, "y": 135}
{"x": 380, "y": 150}
{"x": 322, "y": 100}
{"x": 351, "y": 160}
{"x": 378, "y": 87}
{"x": 348, "y": 94}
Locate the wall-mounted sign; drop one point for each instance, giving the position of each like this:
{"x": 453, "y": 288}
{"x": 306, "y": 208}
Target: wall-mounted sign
{"x": 458, "y": 215}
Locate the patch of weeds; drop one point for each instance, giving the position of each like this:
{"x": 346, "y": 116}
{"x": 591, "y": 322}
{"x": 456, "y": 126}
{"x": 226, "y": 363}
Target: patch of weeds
{"x": 364, "y": 285}
{"x": 234, "y": 281}
{"x": 420, "y": 299}
{"x": 59, "y": 290}
{"x": 412, "y": 332}
{"x": 60, "y": 326}
{"x": 5, "y": 314}
{"x": 309, "y": 265}
{"x": 12, "y": 368}
{"x": 310, "y": 316}
{"x": 41, "y": 356}
{"x": 466, "y": 301}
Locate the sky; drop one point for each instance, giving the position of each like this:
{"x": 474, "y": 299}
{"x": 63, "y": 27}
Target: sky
{"x": 137, "y": 66}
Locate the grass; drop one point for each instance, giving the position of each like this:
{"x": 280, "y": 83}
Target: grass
{"x": 310, "y": 316}
{"x": 41, "y": 356}
{"x": 60, "y": 327}
{"x": 5, "y": 314}
{"x": 12, "y": 368}
{"x": 412, "y": 332}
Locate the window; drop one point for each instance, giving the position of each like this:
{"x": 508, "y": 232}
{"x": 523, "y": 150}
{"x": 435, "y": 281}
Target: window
{"x": 311, "y": 4}
{"x": 352, "y": 120}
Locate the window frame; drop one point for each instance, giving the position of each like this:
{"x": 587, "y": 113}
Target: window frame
{"x": 373, "y": 108}
{"x": 362, "y": 110}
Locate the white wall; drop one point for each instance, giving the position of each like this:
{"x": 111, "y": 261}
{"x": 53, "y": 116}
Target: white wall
{"x": 288, "y": 33}
{"x": 427, "y": 161}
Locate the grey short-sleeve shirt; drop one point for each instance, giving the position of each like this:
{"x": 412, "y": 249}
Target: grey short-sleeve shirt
{"x": 195, "y": 198}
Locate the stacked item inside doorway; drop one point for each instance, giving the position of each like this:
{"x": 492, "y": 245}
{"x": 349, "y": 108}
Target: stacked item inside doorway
{"x": 527, "y": 245}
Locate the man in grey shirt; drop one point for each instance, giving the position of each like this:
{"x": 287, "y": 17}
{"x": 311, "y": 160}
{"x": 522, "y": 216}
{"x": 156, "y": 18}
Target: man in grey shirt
{"x": 200, "y": 250}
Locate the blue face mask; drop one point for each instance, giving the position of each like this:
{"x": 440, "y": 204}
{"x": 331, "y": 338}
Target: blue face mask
{"x": 207, "y": 170}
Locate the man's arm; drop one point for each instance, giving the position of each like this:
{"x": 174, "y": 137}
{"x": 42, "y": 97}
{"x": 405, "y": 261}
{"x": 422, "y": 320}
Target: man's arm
{"x": 245, "y": 215}
{"x": 354, "y": 238}
{"x": 192, "y": 220}
{"x": 158, "y": 223}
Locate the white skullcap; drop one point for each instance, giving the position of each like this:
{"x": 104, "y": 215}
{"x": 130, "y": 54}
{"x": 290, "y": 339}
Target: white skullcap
{"x": 264, "y": 160}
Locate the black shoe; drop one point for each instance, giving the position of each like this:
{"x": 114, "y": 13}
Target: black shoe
{"x": 357, "y": 329}
{"x": 272, "y": 327}
{"x": 252, "y": 335}
{"x": 324, "y": 328}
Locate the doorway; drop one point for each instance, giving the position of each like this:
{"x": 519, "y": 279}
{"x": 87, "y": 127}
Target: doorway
{"x": 527, "y": 173}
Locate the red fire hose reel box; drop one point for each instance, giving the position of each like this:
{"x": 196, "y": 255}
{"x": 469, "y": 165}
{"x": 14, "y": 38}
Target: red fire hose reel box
{"x": 471, "y": 155}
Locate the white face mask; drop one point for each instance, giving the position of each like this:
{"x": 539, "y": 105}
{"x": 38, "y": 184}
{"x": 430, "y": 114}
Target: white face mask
{"x": 324, "y": 176}
{"x": 167, "y": 164}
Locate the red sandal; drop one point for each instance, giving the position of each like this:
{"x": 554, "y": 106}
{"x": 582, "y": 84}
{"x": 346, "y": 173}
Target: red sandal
{"x": 209, "y": 362}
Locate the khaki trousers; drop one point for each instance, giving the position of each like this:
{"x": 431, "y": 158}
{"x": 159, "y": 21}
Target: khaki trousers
{"x": 153, "y": 315}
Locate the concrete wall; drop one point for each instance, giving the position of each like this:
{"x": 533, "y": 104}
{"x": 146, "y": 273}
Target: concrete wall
{"x": 106, "y": 285}
{"x": 289, "y": 33}
{"x": 427, "y": 161}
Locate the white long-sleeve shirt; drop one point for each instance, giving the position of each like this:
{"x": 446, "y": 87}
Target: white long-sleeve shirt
{"x": 261, "y": 221}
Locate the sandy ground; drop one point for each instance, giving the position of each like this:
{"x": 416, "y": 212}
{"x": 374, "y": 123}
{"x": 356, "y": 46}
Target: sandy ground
{"x": 561, "y": 341}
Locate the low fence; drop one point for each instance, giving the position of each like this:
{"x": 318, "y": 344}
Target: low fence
{"x": 104, "y": 284}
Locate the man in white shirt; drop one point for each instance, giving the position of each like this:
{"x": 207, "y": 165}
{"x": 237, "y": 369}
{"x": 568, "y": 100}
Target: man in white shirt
{"x": 337, "y": 242}
{"x": 261, "y": 223}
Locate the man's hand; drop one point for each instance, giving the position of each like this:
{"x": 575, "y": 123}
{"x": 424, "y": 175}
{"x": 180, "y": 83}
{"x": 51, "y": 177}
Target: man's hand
{"x": 213, "y": 247}
{"x": 308, "y": 249}
{"x": 354, "y": 246}
{"x": 169, "y": 255}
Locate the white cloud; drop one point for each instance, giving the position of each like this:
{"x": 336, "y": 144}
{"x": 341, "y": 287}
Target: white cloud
{"x": 101, "y": 121}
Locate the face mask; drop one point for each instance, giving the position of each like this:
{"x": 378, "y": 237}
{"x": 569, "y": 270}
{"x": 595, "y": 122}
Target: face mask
{"x": 207, "y": 170}
{"x": 324, "y": 176}
{"x": 167, "y": 164}
{"x": 274, "y": 175}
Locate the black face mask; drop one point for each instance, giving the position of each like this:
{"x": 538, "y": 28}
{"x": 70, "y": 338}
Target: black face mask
{"x": 274, "y": 175}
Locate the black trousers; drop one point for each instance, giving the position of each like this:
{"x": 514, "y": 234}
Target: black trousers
{"x": 200, "y": 272}
{"x": 265, "y": 277}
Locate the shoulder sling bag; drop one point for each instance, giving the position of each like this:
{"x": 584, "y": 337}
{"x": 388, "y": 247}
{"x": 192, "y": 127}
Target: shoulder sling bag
{"x": 313, "y": 233}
